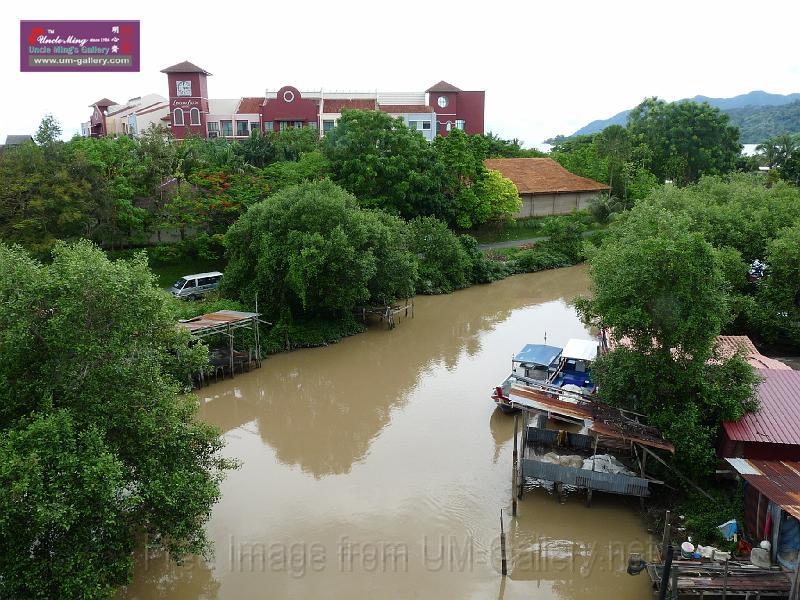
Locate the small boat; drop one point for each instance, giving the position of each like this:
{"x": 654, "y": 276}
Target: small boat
{"x": 535, "y": 363}
{"x": 574, "y": 370}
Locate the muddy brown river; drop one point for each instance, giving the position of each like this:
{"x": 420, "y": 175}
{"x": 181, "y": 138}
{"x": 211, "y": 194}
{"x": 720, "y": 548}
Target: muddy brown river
{"x": 377, "y": 468}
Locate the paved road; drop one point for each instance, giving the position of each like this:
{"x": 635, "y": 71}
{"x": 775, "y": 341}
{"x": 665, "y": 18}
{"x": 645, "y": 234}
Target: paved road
{"x": 518, "y": 243}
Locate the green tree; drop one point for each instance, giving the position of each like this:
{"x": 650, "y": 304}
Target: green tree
{"x": 685, "y": 139}
{"x": 49, "y": 131}
{"x": 500, "y": 193}
{"x": 385, "y": 164}
{"x": 293, "y": 142}
{"x": 444, "y": 262}
{"x": 311, "y": 166}
{"x": 661, "y": 288}
{"x": 96, "y": 444}
{"x": 778, "y": 306}
{"x": 309, "y": 252}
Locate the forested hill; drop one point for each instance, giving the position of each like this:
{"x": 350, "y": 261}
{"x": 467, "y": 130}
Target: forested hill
{"x": 760, "y": 115}
{"x": 759, "y": 123}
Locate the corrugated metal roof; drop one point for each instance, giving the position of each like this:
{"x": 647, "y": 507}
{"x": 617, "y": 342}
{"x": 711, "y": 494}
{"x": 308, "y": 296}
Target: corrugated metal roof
{"x": 601, "y": 418}
{"x": 777, "y": 421}
{"x": 215, "y": 321}
{"x": 777, "y": 480}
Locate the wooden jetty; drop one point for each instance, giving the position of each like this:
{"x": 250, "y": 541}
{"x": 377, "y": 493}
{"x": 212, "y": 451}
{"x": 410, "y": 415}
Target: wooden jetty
{"x": 711, "y": 580}
{"x": 388, "y": 313}
{"x": 225, "y": 323}
{"x": 590, "y": 426}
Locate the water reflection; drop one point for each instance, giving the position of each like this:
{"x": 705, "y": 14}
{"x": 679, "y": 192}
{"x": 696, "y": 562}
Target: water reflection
{"x": 320, "y": 408}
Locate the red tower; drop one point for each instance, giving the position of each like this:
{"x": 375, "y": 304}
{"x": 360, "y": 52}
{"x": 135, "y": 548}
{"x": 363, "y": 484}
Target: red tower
{"x": 188, "y": 99}
{"x": 456, "y": 108}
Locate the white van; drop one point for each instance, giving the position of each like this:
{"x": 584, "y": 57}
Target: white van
{"x": 194, "y": 286}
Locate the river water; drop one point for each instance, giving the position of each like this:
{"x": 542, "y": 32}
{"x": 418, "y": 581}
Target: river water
{"x": 377, "y": 468}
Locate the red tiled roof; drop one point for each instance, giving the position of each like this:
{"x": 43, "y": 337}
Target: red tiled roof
{"x": 542, "y": 176}
{"x": 777, "y": 480}
{"x": 250, "y": 105}
{"x": 777, "y": 420}
{"x": 185, "y": 67}
{"x": 443, "y": 86}
{"x": 728, "y": 345}
{"x": 406, "y": 108}
{"x": 338, "y": 105}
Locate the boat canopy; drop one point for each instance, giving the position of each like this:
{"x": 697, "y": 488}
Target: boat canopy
{"x": 581, "y": 349}
{"x": 538, "y": 354}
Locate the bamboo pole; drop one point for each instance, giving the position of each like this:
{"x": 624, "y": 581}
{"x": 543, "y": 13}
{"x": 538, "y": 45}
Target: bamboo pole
{"x": 514, "y": 469}
{"x": 503, "y": 562}
{"x": 665, "y": 538}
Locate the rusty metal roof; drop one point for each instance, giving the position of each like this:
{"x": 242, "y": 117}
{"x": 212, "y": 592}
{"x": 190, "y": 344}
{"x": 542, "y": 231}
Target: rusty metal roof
{"x": 603, "y": 419}
{"x": 777, "y": 420}
{"x": 777, "y": 480}
{"x": 728, "y": 345}
{"x": 217, "y": 322}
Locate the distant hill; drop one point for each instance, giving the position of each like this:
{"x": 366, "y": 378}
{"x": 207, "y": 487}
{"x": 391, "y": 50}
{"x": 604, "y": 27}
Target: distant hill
{"x": 759, "y": 115}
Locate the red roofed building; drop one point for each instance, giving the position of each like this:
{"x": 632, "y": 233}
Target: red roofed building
{"x": 435, "y": 111}
{"x": 773, "y": 431}
{"x": 545, "y": 187}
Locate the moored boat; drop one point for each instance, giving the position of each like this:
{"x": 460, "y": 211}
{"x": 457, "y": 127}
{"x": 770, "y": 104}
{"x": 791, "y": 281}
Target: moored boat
{"x": 535, "y": 363}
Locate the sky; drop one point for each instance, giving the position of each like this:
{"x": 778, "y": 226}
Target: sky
{"x": 547, "y": 67}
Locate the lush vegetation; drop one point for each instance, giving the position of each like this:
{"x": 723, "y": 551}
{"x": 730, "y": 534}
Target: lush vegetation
{"x": 98, "y": 446}
{"x": 661, "y": 287}
{"x": 759, "y": 123}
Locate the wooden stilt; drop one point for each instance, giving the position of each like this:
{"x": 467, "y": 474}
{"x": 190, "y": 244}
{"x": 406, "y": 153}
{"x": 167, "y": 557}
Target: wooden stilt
{"x": 514, "y": 469}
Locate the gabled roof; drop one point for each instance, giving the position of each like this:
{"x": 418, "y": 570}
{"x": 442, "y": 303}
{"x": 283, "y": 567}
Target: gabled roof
{"x": 338, "y": 105}
{"x": 542, "y": 176}
{"x": 16, "y": 140}
{"x": 728, "y": 345}
{"x": 406, "y": 108}
{"x": 103, "y": 102}
{"x": 777, "y": 420}
{"x": 250, "y": 105}
{"x": 185, "y": 67}
{"x": 443, "y": 86}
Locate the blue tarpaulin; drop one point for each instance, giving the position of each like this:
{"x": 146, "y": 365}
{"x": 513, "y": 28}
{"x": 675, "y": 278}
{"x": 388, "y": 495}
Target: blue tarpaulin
{"x": 538, "y": 354}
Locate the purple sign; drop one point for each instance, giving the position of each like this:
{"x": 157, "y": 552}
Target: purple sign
{"x": 53, "y": 46}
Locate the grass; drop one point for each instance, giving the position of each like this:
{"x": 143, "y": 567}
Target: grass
{"x": 169, "y": 273}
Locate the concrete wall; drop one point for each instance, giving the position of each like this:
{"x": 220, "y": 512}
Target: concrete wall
{"x": 543, "y": 205}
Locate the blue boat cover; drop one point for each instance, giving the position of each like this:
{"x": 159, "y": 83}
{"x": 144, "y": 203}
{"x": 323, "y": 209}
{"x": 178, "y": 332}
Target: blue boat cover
{"x": 538, "y": 354}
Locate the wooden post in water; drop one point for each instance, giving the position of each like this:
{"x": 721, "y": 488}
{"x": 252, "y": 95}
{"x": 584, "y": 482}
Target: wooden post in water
{"x": 230, "y": 347}
{"x": 503, "y": 563}
{"x": 514, "y": 469}
{"x": 665, "y": 538}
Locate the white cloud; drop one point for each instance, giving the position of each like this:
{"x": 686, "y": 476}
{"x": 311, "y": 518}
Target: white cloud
{"x": 547, "y": 67}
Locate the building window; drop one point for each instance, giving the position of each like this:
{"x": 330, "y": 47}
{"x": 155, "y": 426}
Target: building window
{"x": 426, "y": 124}
{"x": 413, "y": 125}
{"x": 177, "y": 118}
{"x": 268, "y": 126}
{"x": 312, "y": 124}
{"x": 241, "y": 128}
{"x": 298, "y": 125}
{"x": 327, "y": 126}
{"x": 254, "y": 126}
{"x": 194, "y": 116}
{"x": 227, "y": 128}
{"x": 282, "y": 125}
{"x": 460, "y": 124}
{"x": 213, "y": 126}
